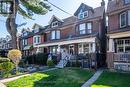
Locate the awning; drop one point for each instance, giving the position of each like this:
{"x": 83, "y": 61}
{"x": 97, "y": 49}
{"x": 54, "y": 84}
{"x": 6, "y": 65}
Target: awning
{"x": 26, "y": 48}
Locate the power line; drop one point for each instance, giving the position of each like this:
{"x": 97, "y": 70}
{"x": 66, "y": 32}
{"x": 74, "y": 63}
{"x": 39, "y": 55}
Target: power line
{"x": 59, "y": 8}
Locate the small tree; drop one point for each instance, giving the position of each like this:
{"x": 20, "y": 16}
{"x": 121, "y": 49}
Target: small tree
{"x": 15, "y": 56}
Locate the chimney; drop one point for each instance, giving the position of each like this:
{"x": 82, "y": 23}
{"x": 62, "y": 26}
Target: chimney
{"x": 103, "y": 3}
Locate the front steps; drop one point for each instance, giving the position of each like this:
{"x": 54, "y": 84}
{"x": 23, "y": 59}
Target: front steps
{"x": 62, "y": 63}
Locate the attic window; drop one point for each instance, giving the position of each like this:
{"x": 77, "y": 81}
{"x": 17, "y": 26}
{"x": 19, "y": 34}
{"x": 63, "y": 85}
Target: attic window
{"x": 82, "y": 15}
{"x": 54, "y": 24}
{"x": 36, "y": 30}
{"x": 127, "y": 1}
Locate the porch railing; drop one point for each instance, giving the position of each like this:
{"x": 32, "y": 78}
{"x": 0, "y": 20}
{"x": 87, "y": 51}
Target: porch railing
{"x": 122, "y": 57}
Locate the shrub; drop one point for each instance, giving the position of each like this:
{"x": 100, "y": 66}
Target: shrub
{"x": 4, "y": 60}
{"x": 6, "y": 66}
{"x": 50, "y": 63}
{"x": 54, "y": 59}
{"x": 15, "y": 56}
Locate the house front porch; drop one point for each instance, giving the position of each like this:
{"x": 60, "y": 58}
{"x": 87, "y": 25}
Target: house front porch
{"x": 118, "y": 55}
{"x": 74, "y": 50}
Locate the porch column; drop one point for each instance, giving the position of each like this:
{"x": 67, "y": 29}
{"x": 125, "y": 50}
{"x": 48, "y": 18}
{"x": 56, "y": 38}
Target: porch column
{"x": 93, "y": 47}
{"x": 59, "y": 49}
{"x": 111, "y": 45}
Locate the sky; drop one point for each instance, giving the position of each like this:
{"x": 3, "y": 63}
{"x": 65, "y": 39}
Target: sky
{"x": 68, "y": 5}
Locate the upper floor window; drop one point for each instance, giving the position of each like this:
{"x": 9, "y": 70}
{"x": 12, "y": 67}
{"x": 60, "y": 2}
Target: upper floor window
{"x": 82, "y": 15}
{"x": 129, "y": 17}
{"x": 123, "y": 20}
{"x": 36, "y": 39}
{"x": 82, "y": 28}
{"x": 89, "y": 27}
{"x": 25, "y": 42}
{"x": 54, "y": 24}
{"x": 127, "y": 1}
{"x": 55, "y": 35}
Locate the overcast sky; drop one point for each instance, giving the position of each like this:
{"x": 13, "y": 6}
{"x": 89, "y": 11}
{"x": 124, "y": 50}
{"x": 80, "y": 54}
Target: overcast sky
{"x": 68, "y": 5}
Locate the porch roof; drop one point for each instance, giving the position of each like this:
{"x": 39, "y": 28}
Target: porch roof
{"x": 65, "y": 42}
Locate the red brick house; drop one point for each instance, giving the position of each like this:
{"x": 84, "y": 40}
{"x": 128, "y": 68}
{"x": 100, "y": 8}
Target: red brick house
{"x": 83, "y": 33}
{"x": 118, "y": 52}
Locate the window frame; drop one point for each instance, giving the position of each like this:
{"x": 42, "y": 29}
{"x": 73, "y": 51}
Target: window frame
{"x": 83, "y": 15}
{"x": 37, "y": 39}
{"x": 89, "y": 29}
{"x": 83, "y": 30}
{"x": 57, "y": 35}
{"x": 54, "y": 24}
{"x": 125, "y": 19}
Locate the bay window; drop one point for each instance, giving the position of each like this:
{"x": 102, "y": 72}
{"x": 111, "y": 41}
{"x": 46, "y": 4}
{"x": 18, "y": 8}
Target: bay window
{"x": 82, "y": 28}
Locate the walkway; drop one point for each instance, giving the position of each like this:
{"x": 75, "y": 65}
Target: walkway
{"x": 17, "y": 77}
{"x": 92, "y": 79}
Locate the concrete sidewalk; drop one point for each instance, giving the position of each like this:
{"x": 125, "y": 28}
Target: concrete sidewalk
{"x": 92, "y": 79}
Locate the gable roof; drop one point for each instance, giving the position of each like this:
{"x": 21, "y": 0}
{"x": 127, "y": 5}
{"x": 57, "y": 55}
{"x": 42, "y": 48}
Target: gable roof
{"x": 83, "y": 6}
{"x": 36, "y": 25}
{"x": 53, "y": 18}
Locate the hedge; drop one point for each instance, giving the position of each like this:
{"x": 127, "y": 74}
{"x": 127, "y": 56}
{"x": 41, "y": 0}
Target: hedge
{"x": 40, "y": 59}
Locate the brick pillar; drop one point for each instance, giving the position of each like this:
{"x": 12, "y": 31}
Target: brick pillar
{"x": 110, "y": 60}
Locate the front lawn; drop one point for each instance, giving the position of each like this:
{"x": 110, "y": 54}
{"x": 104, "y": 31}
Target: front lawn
{"x": 68, "y": 77}
{"x": 113, "y": 79}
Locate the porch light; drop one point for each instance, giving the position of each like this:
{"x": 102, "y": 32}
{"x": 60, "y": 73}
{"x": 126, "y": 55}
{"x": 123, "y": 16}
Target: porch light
{"x": 6, "y": 7}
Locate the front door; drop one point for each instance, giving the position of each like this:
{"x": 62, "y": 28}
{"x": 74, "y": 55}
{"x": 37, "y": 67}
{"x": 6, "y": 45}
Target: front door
{"x": 71, "y": 49}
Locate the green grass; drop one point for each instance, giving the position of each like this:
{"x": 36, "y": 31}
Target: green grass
{"x": 113, "y": 79}
{"x": 68, "y": 77}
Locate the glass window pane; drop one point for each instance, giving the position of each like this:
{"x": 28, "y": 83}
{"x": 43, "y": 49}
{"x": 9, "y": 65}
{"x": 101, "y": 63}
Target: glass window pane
{"x": 129, "y": 17}
{"x": 53, "y": 35}
{"x": 57, "y": 34}
{"x": 123, "y": 20}
{"x": 127, "y": 1}
{"x": 82, "y": 28}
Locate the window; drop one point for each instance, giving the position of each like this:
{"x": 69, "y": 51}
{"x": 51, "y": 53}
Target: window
{"x": 129, "y": 17}
{"x": 123, "y": 20}
{"x": 89, "y": 27}
{"x": 36, "y": 30}
{"x": 55, "y": 24}
{"x": 123, "y": 45}
{"x": 25, "y": 33}
{"x": 82, "y": 28}
{"x": 25, "y": 42}
{"x": 82, "y": 15}
{"x": 55, "y": 35}
{"x": 127, "y": 1}
{"x": 36, "y": 39}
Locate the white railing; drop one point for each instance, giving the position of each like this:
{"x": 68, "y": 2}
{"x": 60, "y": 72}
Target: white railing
{"x": 122, "y": 57}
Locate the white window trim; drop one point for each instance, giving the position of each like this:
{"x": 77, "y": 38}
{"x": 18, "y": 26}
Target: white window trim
{"x": 82, "y": 27}
{"x": 82, "y": 13}
{"x": 53, "y": 24}
{"x": 56, "y": 34}
{"x": 125, "y": 19}
{"x": 35, "y": 38}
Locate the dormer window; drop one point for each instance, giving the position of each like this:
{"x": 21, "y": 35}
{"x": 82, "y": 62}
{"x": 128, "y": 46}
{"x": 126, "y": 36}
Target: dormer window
{"x": 127, "y": 1}
{"x": 54, "y": 24}
{"x": 36, "y": 30}
{"x": 82, "y": 15}
{"x": 25, "y": 33}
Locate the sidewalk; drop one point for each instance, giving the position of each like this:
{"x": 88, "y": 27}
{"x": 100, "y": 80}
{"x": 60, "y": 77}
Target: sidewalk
{"x": 14, "y": 78}
{"x": 92, "y": 79}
